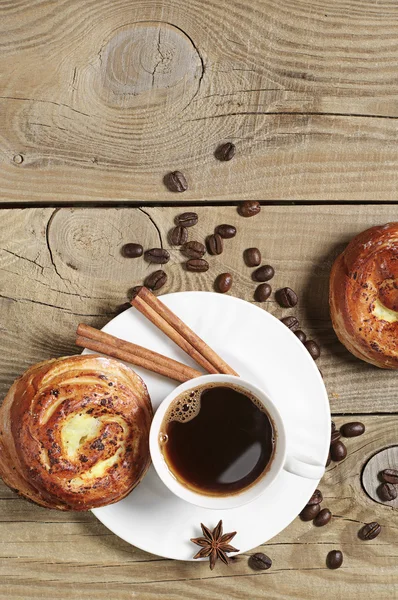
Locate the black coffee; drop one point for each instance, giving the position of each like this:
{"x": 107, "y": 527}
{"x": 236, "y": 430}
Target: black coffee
{"x": 217, "y": 440}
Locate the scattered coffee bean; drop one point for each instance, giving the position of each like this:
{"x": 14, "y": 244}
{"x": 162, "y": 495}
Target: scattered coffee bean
{"x": 352, "y": 429}
{"x": 157, "y": 255}
{"x": 179, "y": 235}
{"x": 187, "y": 219}
{"x": 214, "y": 244}
{"x": 225, "y": 151}
{"x": 249, "y": 208}
{"x": 286, "y": 297}
{"x": 134, "y": 291}
{"x": 156, "y": 280}
{"x": 387, "y": 492}
{"x": 313, "y": 349}
{"x": 369, "y": 531}
{"x": 333, "y": 426}
{"x": 193, "y": 249}
{"x": 310, "y": 511}
{"x": 301, "y": 335}
{"x": 263, "y": 292}
{"x": 226, "y": 231}
{"x": 334, "y": 559}
{"x": 323, "y": 518}
{"x": 336, "y": 435}
{"x": 328, "y": 460}
{"x": 197, "y": 265}
{"x": 175, "y": 182}
{"x": 389, "y": 476}
{"x": 264, "y": 273}
{"x": 122, "y": 307}
{"x": 316, "y": 498}
{"x": 224, "y": 282}
{"x": 290, "y": 322}
{"x": 259, "y": 562}
{"x": 132, "y": 250}
{"x": 338, "y": 451}
{"x": 252, "y": 257}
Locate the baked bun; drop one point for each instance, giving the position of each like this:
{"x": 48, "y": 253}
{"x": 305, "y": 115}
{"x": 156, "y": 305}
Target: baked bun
{"x": 74, "y": 432}
{"x": 364, "y": 296}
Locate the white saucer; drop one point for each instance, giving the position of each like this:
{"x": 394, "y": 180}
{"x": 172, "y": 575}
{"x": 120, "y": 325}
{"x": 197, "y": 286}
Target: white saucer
{"x": 260, "y": 348}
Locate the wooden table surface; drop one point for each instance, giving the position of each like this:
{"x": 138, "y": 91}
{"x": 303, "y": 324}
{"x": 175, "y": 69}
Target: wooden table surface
{"x": 98, "y": 101}
{"x": 62, "y": 266}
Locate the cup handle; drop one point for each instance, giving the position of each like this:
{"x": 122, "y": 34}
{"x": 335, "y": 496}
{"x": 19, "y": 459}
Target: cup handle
{"x": 303, "y": 469}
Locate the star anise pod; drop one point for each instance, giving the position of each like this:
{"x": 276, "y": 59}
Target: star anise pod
{"x": 214, "y": 544}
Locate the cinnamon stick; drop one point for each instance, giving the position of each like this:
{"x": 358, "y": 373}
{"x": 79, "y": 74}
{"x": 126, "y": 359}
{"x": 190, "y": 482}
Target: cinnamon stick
{"x": 99, "y": 341}
{"x": 161, "y": 316}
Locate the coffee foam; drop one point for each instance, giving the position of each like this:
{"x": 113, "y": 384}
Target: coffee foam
{"x": 185, "y": 407}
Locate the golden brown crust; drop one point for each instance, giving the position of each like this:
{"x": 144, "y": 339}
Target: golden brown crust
{"x": 74, "y": 432}
{"x": 364, "y": 296}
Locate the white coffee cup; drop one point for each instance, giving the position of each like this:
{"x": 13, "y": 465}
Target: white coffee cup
{"x": 279, "y": 461}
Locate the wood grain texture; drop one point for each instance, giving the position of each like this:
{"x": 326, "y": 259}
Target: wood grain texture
{"x": 59, "y": 267}
{"x": 99, "y": 100}
{"x": 385, "y": 459}
{"x": 47, "y": 554}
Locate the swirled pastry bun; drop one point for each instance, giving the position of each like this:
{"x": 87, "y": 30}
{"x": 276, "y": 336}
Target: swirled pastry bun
{"x": 364, "y": 296}
{"x": 74, "y": 432}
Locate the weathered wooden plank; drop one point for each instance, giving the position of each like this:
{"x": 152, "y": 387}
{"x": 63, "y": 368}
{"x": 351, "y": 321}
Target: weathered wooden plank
{"x": 99, "y": 100}
{"x": 76, "y": 557}
{"x": 59, "y": 267}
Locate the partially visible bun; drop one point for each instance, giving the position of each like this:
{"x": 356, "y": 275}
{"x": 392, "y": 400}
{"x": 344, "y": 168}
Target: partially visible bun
{"x": 364, "y": 296}
{"x": 74, "y": 432}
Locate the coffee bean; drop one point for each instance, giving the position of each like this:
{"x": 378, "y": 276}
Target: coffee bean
{"x": 323, "y": 518}
{"x": 263, "y": 292}
{"x": 175, "y": 181}
{"x": 328, "y": 460}
{"x": 335, "y": 436}
{"x": 178, "y": 235}
{"x": 309, "y": 512}
{"x": 193, "y": 249}
{"x": 226, "y": 231}
{"x": 389, "y": 476}
{"x": 338, "y": 451}
{"x": 225, "y": 151}
{"x": 156, "y": 280}
{"x": 122, "y": 307}
{"x": 334, "y": 559}
{"x": 224, "y": 282}
{"x": 214, "y": 244}
{"x": 264, "y": 273}
{"x": 316, "y": 498}
{"x": 252, "y": 257}
{"x": 198, "y": 265}
{"x": 369, "y": 531}
{"x": 187, "y": 219}
{"x": 387, "y": 492}
{"x": 313, "y": 349}
{"x": 301, "y": 335}
{"x": 259, "y": 562}
{"x": 286, "y": 297}
{"x": 132, "y": 250}
{"x": 352, "y": 429}
{"x": 249, "y": 208}
{"x": 333, "y": 425}
{"x": 134, "y": 291}
{"x": 157, "y": 255}
{"x": 290, "y": 322}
